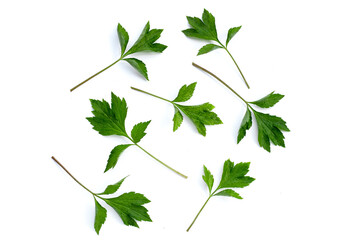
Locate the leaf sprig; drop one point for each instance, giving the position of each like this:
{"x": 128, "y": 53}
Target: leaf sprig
{"x": 200, "y": 115}
{"x": 270, "y": 127}
{"x": 145, "y": 43}
{"x": 110, "y": 120}
{"x": 205, "y": 29}
{"x": 233, "y": 176}
{"x": 129, "y": 206}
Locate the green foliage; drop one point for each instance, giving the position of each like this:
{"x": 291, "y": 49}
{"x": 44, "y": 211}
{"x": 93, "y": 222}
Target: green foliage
{"x": 269, "y": 100}
{"x": 203, "y": 29}
{"x": 111, "y": 121}
{"x": 100, "y": 216}
{"x": 115, "y": 154}
{"x": 123, "y": 38}
{"x": 233, "y": 176}
{"x": 208, "y": 48}
{"x": 231, "y": 33}
{"x": 112, "y": 188}
{"x": 129, "y": 207}
{"x": 185, "y": 93}
{"x": 178, "y": 119}
{"x": 138, "y": 131}
{"x": 269, "y": 127}
{"x": 246, "y": 124}
{"x": 229, "y": 193}
{"x": 139, "y": 66}
{"x": 200, "y": 115}
{"x": 145, "y": 43}
{"x": 208, "y": 179}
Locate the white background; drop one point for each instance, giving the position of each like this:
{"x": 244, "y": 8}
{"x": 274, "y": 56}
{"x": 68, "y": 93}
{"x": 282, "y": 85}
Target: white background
{"x": 307, "y": 50}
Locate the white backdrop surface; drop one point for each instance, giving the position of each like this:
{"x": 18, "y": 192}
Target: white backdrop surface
{"x": 307, "y": 50}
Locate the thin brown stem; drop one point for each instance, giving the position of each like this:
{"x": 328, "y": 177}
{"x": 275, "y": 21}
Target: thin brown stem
{"x": 53, "y": 158}
{"x": 221, "y": 81}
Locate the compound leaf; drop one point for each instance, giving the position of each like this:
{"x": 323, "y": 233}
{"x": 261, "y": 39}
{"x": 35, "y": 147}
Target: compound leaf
{"x": 270, "y": 129}
{"x": 109, "y": 121}
{"x": 146, "y": 41}
{"x": 201, "y": 115}
{"x": 203, "y": 29}
{"x": 129, "y": 207}
{"x": 234, "y": 176}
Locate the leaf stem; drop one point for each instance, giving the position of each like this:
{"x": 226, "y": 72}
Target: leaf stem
{"x": 95, "y": 74}
{"x": 53, "y": 158}
{"x": 235, "y": 64}
{"x": 139, "y": 90}
{"x": 184, "y": 176}
{"x": 199, "y": 212}
{"x": 221, "y": 81}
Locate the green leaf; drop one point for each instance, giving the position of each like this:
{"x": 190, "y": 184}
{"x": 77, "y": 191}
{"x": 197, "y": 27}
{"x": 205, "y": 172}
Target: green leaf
{"x": 139, "y": 66}
{"x": 208, "y": 178}
{"x": 146, "y": 41}
{"x": 208, "y": 48}
{"x": 185, "y": 93}
{"x": 246, "y": 124}
{"x": 229, "y": 193}
{"x": 231, "y": 34}
{"x": 123, "y": 38}
{"x": 234, "y": 176}
{"x": 138, "y": 131}
{"x": 209, "y": 21}
{"x": 100, "y": 216}
{"x": 200, "y": 115}
{"x": 114, "y": 155}
{"x": 109, "y": 121}
{"x": 129, "y": 207}
{"x": 112, "y": 188}
{"x": 203, "y": 29}
{"x": 269, "y": 100}
{"x": 178, "y": 118}
{"x": 270, "y": 129}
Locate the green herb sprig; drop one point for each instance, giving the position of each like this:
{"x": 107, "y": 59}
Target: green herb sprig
{"x": 270, "y": 127}
{"x": 206, "y": 29}
{"x": 129, "y": 206}
{"x": 145, "y": 43}
{"x": 232, "y": 177}
{"x": 200, "y": 115}
{"x": 110, "y": 120}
